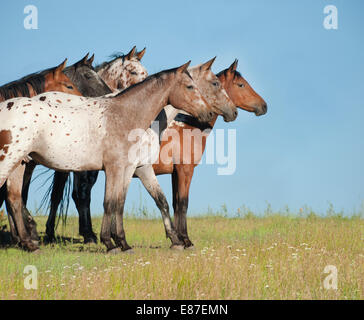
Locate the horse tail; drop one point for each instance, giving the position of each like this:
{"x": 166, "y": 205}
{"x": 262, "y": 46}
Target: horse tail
{"x": 3, "y": 193}
{"x": 64, "y": 203}
{"x": 43, "y": 201}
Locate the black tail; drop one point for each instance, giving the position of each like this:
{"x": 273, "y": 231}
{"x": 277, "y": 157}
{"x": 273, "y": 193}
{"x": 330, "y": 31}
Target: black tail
{"x": 3, "y": 192}
{"x": 64, "y": 203}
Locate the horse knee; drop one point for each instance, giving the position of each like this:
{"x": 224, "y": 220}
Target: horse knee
{"x": 14, "y": 196}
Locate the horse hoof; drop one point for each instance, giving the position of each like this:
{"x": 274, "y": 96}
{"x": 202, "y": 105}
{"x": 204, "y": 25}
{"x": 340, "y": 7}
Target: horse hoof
{"x": 37, "y": 252}
{"x": 191, "y": 247}
{"x": 129, "y": 251}
{"x": 114, "y": 251}
{"x": 177, "y": 247}
{"x": 35, "y": 242}
{"x": 31, "y": 248}
{"x": 90, "y": 240}
{"x": 50, "y": 239}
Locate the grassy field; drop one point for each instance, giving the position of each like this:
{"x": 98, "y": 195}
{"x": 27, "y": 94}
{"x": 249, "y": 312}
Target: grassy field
{"x": 273, "y": 257}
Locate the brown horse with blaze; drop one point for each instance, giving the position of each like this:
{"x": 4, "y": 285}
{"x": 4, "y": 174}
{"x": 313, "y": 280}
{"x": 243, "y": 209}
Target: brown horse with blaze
{"x": 244, "y": 97}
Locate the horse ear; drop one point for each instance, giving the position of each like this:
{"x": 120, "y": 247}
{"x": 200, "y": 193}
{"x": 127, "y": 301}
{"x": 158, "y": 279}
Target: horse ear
{"x": 231, "y": 71}
{"x": 131, "y": 54}
{"x": 140, "y": 54}
{"x": 234, "y": 66}
{"x": 91, "y": 60}
{"x": 184, "y": 67}
{"x": 60, "y": 68}
{"x": 83, "y": 61}
{"x": 207, "y": 66}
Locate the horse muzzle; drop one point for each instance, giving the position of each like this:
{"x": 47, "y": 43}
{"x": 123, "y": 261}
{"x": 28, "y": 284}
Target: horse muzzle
{"x": 261, "y": 110}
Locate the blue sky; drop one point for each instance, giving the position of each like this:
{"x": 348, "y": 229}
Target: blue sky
{"x": 308, "y": 150}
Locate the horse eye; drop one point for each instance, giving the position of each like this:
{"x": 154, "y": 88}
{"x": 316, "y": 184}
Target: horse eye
{"x": 134, "y": 73}
{"x": 241, "y": 85}
{"x": 216, "y": 84}
{"x": 189, "y": 87}
{"x": 69, "y": 87}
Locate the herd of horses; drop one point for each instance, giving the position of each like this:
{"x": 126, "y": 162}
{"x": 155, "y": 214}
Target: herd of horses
{"x": 79, "y": 119}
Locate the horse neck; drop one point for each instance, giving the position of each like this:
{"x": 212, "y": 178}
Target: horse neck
{"x": 146, "y": 99}
{"x": 105, "y": 76}
{"x": 16, "y": 93}
{"x": 213, "y": 121}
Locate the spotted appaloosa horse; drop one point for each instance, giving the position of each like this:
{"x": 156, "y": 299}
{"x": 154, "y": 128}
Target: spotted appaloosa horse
{"x": 215, "y": 95}
{"x": 123, "y": 71}
{"x": 90, "y": 84}
{"x": 53, "y": 79}
{"x": 86, "y": 80}
{"x": 69, "y": 133}
{"x": 119, "y": 73}
{"x": 244, "y": 97}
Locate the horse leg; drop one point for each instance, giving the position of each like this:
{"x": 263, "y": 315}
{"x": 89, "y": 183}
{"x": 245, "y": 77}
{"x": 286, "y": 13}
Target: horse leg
{"x": 181, "y": 182}
{"x": 29, "y": 169}
{"x": 30, "y": 224}
{"x": 17, "y": 209}
{"x": 14, "y": 234}
{"x": 117, "y": 183}
{"x": 150, "y": 182}
{"x": 59, "y": 182}
{"x": 28, "y": 219}
{"x": 3, "y": 193}
{"x": 83, "y": 184}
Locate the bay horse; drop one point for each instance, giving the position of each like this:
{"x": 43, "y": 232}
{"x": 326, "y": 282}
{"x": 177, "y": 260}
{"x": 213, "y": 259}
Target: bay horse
{"x": 69, "y": 133}
{"x": 52, "y": 79}
{"x": 215, "y": 95}
{"x": 245, "y": 98}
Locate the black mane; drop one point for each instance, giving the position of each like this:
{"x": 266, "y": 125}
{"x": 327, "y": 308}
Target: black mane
{"x": 20, "y": 88}
{"x": 113, "y": 57}
{"x": 156, "y": 76}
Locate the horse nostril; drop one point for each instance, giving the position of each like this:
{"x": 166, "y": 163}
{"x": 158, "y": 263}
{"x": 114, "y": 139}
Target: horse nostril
{"x": 265, "y": 107}
{"x": 235, "y": 114}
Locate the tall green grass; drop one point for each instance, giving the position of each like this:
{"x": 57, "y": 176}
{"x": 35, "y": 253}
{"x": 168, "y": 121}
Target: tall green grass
{"x": 271, "y": 256}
